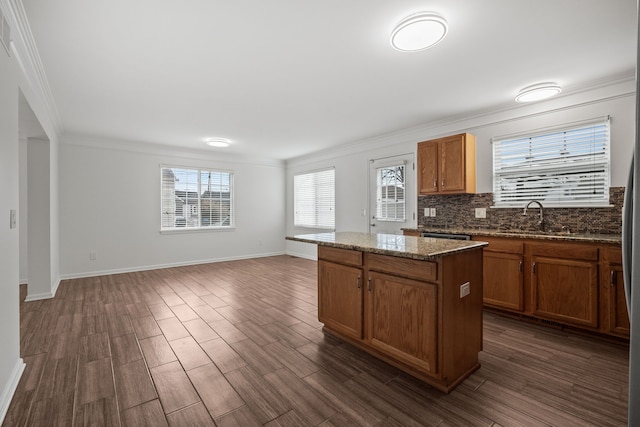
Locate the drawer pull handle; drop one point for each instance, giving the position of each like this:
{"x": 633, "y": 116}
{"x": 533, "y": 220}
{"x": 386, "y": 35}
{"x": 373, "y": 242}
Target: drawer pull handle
{"x": 613, "y": 278}
{"x": 533, "y": 267}
{"x": 359, "y": 282}
{"x": 369, "y": 284}
{"x": 521, "y": 267}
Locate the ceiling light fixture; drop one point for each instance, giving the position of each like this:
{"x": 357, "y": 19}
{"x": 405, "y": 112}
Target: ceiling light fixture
{"x": 419, "y": 31}
{"x": 538, "y": 92}
{"x": 218, "y": 142}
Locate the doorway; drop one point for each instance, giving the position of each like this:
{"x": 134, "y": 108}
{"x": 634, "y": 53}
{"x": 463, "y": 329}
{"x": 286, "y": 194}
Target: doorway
{"x": 392, "y": 197}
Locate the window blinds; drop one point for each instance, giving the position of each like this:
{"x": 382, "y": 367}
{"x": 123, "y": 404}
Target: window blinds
{"x": 569, "y": 167}
{"x": 314, "y": 199}
{"x": 196, "y": 198}
{"x": 390, "y": 193}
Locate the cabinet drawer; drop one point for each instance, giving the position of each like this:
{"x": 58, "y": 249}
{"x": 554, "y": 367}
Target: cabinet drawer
{"x": 497, "y": 244}
{"x": 411, "y": 268}
{"x": 340, "y": 256}
{"x": 564, "y": 250}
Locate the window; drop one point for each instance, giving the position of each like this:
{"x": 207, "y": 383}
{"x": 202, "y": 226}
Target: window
{"x": 314, "y": 199}
{"x": 390, "y": 196}
{"x": 196, "y": 199}
{"x": 568, "y": 167}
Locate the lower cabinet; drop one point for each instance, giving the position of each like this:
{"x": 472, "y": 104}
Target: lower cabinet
{"x": 404, "y": 319}
{"x": 615, "y": 310}
{"x": 571, "y": 283}
{"x": 422, "y": 316}
{"x": 565, "y": 288}
{"x": 503, "y": 284}
{"x": 340, "y": 298}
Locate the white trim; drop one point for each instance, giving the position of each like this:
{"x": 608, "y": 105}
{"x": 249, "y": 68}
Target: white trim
{"x": 169, "y": 265}
{"x": 622, "y": 87}
{"x": 10, "y": 388}
{"x": 301, "y": 255}
{"x": 26, "y": 53}
{"x": 549, "y": 129}
{"x": 131, "y": 146}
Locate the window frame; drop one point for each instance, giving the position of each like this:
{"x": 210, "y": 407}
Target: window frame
{"x": 380, "y": 199}
{"x": 603, "y": 161}
{"x": 200, "y": 228}
{"x": 316, "y": 224}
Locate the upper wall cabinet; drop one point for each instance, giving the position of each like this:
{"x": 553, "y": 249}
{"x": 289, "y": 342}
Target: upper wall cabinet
{"x": 447, "y": 165}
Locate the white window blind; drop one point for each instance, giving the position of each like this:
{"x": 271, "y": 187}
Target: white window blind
{"x": 390, "y": 193}
{"x": 567, "y": 167}
{"x": 196, "y": 198}
{"x": 314, "y": 199}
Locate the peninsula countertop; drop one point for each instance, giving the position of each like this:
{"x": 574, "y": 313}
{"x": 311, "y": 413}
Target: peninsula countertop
{"x": 420, "y": 248}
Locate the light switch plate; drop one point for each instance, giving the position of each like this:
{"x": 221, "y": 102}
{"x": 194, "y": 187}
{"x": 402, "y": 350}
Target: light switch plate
{"x": 12, "y": 218}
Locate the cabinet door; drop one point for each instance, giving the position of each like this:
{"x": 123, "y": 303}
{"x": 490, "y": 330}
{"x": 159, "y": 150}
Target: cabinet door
{"x": 403, "y": 320}
{"x": 618, "y": 315}
{"x": 340, "y": 298}
{"x": 503, "y": 280}
{"x": 565, "y": 290}
{"x": 428, "y": 167}
{"x": 452, "y": 164}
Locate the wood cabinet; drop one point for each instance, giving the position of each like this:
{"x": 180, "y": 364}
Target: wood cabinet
{"x": 340, "y": 290}
{"x": 569, "y": 283}
{"x": 410, "y": 313}
{"x": 503, "y": 284}
{"x": 403, "y": 320}
{"x": 447, "y": 165}
{"x": 564, "y": 283}
{"x": 616, "y": 316}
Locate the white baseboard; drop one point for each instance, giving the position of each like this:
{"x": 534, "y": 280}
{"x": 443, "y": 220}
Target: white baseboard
{"x": 302, "y": 255}
{"x": 37, "y": 297}
{"x": 10, "y": 387}
{"x": 169, "y": 265}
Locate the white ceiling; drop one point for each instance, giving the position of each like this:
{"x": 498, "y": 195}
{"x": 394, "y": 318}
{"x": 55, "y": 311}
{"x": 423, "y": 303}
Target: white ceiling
{"x": 283, "y": 78}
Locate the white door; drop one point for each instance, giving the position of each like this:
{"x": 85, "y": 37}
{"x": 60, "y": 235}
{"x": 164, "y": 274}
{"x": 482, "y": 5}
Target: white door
{"x": 392, "y": 196}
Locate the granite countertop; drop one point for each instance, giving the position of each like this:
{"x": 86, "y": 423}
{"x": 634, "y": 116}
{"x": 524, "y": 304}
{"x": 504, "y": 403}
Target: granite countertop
{"x": 420, "y": 248}
{"x": 550, "y": 235}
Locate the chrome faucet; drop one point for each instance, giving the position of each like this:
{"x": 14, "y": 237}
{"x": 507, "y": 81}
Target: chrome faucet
{"x": 539, "y": 205}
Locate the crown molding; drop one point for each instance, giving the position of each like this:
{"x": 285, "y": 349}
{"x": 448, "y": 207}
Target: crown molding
{"x": 577, "y": 96}
{"x": 24, "y": 49}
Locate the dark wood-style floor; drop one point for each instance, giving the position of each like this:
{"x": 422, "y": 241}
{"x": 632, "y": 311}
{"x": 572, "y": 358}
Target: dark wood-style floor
{"x": 238, "y": 344}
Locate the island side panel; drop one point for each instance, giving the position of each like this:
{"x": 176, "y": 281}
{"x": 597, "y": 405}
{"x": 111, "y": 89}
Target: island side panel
{"x": 461, "y": 316}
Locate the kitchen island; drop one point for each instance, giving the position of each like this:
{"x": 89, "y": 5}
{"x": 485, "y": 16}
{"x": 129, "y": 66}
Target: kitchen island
{"x": 414, "y": 302}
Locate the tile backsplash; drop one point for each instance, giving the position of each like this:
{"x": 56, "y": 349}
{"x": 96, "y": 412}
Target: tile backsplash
{"x": 458, "y": 211}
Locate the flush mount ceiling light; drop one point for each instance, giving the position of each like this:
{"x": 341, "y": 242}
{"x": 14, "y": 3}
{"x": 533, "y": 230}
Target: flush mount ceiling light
{"x": 419, "y": 31}
{"x": 218, "y": 142}
{"x": 538, "y": 92}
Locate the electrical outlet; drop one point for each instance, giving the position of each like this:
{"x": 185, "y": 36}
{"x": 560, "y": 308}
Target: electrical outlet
{"x": 481, "y": 212}
{"x": 426, "y": 212}
{"x": 465, "y": 289}
{"x": 433, "y": 212}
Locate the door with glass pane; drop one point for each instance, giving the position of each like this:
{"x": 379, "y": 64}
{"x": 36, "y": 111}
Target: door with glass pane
{"x": 392, "y": 196}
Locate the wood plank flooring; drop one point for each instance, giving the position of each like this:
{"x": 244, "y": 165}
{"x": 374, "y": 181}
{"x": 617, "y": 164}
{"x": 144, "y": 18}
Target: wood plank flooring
{"x": 238, "y": 344}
